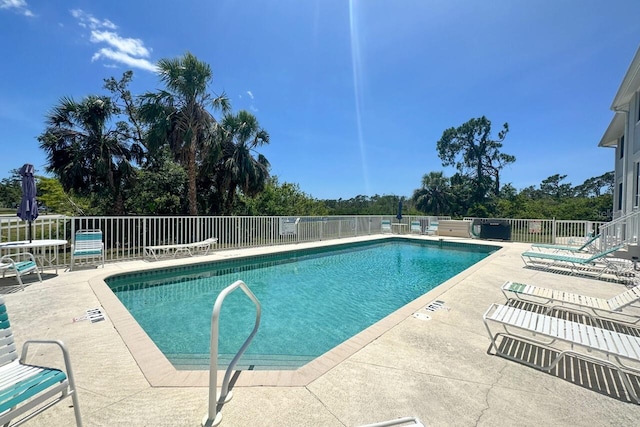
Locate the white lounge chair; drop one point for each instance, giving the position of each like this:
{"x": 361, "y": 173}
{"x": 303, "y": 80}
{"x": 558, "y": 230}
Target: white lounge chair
{"x": 87, "y": 246}
{"x": 20, "y": 264}
{"x": 27, "y": 390}
{"x": 386, "y": 226}
{"x": 416, "y": 227}
{"x": 556, "y": 334}
{"x": 608, "y": 308}
{"x": 572, "y": 249}
{"x": 202, "y": 247}
{"x": 598, "y": 262}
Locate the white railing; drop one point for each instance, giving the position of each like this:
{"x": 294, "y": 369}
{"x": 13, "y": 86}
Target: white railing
{"x": 125, "y": 237}
{"x": 214, "y": 416}
{"x": 621, "y": 231}
{"x": 549, "y": 230}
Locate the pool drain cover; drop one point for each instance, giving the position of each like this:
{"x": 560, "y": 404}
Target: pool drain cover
{"x": 436, "y": 305}
{"x": 421, "y": 316}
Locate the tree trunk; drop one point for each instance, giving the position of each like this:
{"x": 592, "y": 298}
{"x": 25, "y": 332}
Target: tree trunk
{"x": 191, "y": 170}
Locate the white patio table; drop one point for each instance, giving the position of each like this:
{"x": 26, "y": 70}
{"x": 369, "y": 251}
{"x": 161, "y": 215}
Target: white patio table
{"x": 39, "y": 245}
{"x": 400, "y": 227}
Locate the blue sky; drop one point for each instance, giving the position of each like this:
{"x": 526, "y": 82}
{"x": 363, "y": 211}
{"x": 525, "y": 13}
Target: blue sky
{"x": 355, "y": 94}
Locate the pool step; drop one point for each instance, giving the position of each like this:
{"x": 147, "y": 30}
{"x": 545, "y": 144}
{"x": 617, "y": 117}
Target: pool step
{"x": 246, "y": 362}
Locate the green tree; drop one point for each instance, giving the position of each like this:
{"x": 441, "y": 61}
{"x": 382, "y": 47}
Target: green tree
{"x": 554, "y": 188}
{"x": 434, "y": 196}
{"x": 531, "y": 192}
{"x": 284, "y": 199}
{"x": 11, "y": 190}
{"x": 596, "y": 186}
{"x": 238, "y": 169}
{"x": 131, "y": 129}
{"x": 180, "y": 116}
{"x": 84, "y": 153}
{"x": 159, "y": 189}
{"x": 52, "y": 195}
{"x": 474, "y": 154}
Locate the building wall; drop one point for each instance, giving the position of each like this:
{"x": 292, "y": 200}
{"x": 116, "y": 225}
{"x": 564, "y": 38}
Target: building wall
{"x": 628, "y": 167}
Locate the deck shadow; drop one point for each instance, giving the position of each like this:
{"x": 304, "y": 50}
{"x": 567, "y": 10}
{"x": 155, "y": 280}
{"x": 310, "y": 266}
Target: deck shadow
{"x": 571, "y": 368}
{"x": 585, "y": 374}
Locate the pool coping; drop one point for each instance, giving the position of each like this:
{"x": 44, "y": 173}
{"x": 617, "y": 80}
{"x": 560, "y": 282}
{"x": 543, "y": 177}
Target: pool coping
{"x": 159, "y": 372}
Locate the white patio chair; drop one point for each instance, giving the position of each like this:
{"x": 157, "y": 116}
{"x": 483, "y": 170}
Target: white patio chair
{"x": 27, "y": 390}
{"x": 88, "y": 245}
{"x": 20, "y": 264}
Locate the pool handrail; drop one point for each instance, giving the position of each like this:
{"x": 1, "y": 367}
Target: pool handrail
{"x": 214, "y": 417}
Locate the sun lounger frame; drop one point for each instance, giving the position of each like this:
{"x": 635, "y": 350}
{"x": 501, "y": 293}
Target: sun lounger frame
{"x": 553, "y": 332}
{"x": 157, "y": 251}
{"x": 599, "y": 263}
{"x": 609, "y": 309}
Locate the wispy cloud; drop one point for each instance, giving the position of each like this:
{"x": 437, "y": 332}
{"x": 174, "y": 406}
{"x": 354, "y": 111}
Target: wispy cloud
{"x": 86, "y": 20}
{"x": 123, "y": 50}
{"x": 251, "y": 106}
{"x": 18, "y": 6}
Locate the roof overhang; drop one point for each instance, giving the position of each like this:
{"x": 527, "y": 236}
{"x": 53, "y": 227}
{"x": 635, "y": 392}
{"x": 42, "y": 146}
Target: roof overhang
{"x": 630, "y": 85}
{"x": 614, "y": 132}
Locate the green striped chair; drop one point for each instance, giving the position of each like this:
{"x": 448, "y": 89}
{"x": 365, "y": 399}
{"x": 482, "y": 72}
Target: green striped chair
{"x": 27, "y": 390}
{"x": 20, "y": 264}
{"x": 88, "y": 246}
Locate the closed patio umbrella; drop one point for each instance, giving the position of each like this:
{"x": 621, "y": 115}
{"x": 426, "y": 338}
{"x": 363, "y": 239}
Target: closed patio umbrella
{"x": 28, "y": 209}
{"x": 399, "y": 216}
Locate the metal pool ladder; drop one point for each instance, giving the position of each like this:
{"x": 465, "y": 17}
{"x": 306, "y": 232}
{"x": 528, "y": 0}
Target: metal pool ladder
{"x": 214, "y": 417}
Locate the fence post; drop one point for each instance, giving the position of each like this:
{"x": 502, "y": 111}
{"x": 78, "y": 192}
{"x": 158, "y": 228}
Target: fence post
{"x": 144, "y": 234}
{"x": 553, "y": 230}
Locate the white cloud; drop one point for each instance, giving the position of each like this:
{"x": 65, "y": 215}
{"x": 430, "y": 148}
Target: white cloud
{"x": 250, "y": 94}
{"x": 134, "y": 47}
{"x": 122, "y": 50}
{"x": 124, "y": 58}
{"x": 18, "y": 6}
{"x": 87, "y": 20}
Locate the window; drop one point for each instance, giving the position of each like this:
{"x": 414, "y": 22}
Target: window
{"x": 620, "y": 196}
{"x": 636, "y": 184}
{"x": 622, "y": 146}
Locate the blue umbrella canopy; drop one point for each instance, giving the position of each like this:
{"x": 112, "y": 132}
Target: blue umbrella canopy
{"x": 28, "y": 209}
{"x": 399, "y": 216}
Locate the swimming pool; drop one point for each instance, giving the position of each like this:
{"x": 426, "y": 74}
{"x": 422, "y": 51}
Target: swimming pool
{"x": 312, "y": 300}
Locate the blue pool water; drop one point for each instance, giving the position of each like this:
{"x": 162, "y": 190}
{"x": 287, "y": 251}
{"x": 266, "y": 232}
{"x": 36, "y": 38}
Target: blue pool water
{"x": 311, "y": 300}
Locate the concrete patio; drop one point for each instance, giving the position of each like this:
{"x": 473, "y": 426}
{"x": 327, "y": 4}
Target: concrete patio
{"x": 437, "y": 370}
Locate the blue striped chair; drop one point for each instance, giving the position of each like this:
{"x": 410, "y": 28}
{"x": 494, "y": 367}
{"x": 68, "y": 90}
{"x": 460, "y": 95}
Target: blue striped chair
{"x": 20, "y": 264}
{"x": 88, "y": 245}
{"x": 27, "y": 390}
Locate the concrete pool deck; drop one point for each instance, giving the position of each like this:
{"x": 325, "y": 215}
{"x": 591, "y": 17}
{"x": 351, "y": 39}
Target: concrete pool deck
{"x": 437, "y": 370}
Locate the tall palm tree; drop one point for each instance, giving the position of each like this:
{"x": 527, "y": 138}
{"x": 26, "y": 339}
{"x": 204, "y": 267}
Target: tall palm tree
{"x": 84, "y": 154}
{"x": 179, "y": 116}
{"x": 435, "y": 194}
{"x": 238, "y": 169}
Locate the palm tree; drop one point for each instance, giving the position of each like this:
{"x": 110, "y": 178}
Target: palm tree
{"x": 435, "y": 194}
{"x": 83, "y": 153}
{"x": 238, "y": 169}
{"x": 179, "y": 116}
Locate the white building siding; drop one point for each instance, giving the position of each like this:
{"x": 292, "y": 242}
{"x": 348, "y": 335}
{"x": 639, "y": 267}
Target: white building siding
{"x": 623, "y": 133}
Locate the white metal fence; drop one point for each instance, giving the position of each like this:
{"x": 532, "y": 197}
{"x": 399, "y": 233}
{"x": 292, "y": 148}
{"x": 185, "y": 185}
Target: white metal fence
{"x": 125, "y": 237}
{"x": 623, "y": 230}
{"x": 549, "y": 230}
